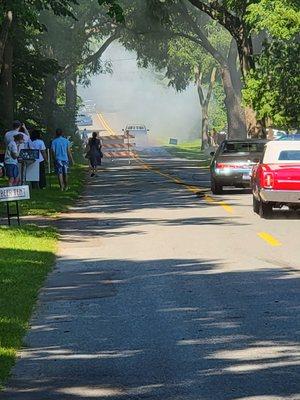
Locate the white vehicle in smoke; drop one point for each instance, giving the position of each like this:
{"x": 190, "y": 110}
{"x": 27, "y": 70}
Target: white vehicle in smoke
{"x": 89, "y": 107}
{"x": 140, "y": 135}
{"x": 84, "y": 120}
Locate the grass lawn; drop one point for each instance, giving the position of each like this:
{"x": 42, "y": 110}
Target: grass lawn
{"x": 51, "y": 201}
{"x": 189, "y": 150}
{"x": 27, "y": 254}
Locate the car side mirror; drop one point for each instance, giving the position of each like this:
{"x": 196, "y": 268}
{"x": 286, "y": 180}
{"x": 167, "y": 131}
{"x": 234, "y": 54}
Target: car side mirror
{"x": 123, "y": 130}
{"x": 212, "y": 153}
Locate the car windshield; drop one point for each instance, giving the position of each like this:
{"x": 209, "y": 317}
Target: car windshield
{"x": 290, "y": 155}
{"x": 242, "y": 147}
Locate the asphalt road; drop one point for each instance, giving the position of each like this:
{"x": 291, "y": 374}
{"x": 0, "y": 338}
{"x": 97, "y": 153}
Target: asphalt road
{"x": 162, "y": 291}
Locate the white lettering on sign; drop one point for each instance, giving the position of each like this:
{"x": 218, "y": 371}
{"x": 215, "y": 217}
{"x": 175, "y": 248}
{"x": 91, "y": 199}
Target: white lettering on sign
{"x": 14, "y": 193}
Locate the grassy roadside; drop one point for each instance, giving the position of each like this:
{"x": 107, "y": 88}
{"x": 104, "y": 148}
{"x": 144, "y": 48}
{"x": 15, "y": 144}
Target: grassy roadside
{"x": 27, "y": 255}
{"x": 51, "y": 201}
{"x": 190, "y": 151}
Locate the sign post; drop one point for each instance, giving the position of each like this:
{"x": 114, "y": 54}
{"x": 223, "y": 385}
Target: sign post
{"x": 14, "y": 194}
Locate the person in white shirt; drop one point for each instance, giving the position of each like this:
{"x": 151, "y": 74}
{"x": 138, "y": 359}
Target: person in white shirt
{"x": 11, "y": 159}
{"x": 18, "y": 127}
{"x": 39, "y": 144}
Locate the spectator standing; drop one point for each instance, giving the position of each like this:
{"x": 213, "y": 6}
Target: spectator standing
{"x": 11, "y": 159}
{"x": 18, "y": 128}
{"x": 39, "y": 144}
{"x": 61, "y": 149}
{"x": 94, "y": 153}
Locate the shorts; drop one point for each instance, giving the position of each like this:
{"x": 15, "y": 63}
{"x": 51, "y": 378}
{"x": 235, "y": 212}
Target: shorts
{"x": 12, "y": 170}
{"x": 61, "y": 167}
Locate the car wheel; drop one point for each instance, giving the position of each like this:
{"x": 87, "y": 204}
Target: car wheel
{"x": 265, "y": 210}
{"x": 256, "y": 204}
{"x": 216, "y": 188}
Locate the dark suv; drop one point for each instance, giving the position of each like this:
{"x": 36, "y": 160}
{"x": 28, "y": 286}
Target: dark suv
{"x": 233, "y": 161}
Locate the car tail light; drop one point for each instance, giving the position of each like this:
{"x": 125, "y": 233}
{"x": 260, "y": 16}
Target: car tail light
{"x": 268, "y": 180}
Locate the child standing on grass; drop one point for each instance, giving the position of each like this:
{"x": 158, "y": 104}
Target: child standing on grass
{"x": 11, "y": 159}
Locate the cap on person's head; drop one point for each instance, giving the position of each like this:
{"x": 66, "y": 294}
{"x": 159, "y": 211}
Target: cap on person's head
{"x": 59, "y": 132}
{"x": 17, "y": 124}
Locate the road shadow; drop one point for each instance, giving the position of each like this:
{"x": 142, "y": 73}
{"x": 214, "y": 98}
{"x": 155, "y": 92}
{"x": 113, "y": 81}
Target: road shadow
{"x": 105, "y": 207}
{"x": 162, "y": 329}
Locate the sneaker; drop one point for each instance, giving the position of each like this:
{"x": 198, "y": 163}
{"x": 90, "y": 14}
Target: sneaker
{"x": 92, "y": 174}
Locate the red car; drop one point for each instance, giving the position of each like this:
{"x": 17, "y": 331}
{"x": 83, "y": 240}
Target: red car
{"x": 276, "y": 179}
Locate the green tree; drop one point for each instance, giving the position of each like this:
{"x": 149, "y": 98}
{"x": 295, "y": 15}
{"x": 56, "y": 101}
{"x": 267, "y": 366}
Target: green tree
{"x": 26, "y": 11}
{"x": 145, "y": 32}
{"x": 242, "y": 19}
{"x": 273, "y": 87}
{"x": 14, "y": 13}
{"x": 77, "y": 44}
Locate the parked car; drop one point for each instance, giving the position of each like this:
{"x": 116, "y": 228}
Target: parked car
{"x": 84, "y": 120}
{"x": 276, "y": 179}
{"x": 232, "y": 163}
{"x": 290, "y": 137}
{"x": 89, "y": 106}
{"x": 277, "y": 134}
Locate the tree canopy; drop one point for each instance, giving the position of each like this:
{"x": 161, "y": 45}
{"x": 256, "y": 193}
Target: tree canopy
{"x": 62, "y": 42}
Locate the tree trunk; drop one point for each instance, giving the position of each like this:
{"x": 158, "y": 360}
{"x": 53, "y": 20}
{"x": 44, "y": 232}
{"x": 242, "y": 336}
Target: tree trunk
{"x": 204, "y": 102}
{"x": 50, "y": 103}
{"x": 236, "y": 26}
{"x": 204, "y": 128}
{"x": 245, "y": 50}
{"x": 71, "y": 98}
{"x": 7, "y": 99}
{"x": 235, "y": 71}
{"x": 4, "y": 31}
{"x": 235, "y": 113}
{"x": 71, "y": 92}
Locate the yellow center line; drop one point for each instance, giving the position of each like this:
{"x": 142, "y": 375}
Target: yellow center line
{"x": 105, "y": 124}
{"x": 268, "y": 238}
{"x": 271, "y": 240}
{"x": 193, "y": 189}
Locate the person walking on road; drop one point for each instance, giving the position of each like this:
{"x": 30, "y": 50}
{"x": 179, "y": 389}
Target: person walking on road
{"x": 94, "y": 153}
{"x": 61, "y": 149}
{"x": 11, "y": 159}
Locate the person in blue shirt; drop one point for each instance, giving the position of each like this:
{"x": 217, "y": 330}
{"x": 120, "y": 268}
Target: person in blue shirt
{"x": 61, "y": 150}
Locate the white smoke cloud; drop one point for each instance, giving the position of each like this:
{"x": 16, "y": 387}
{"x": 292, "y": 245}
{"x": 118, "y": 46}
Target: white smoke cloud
{"x": 135, "y": 95}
